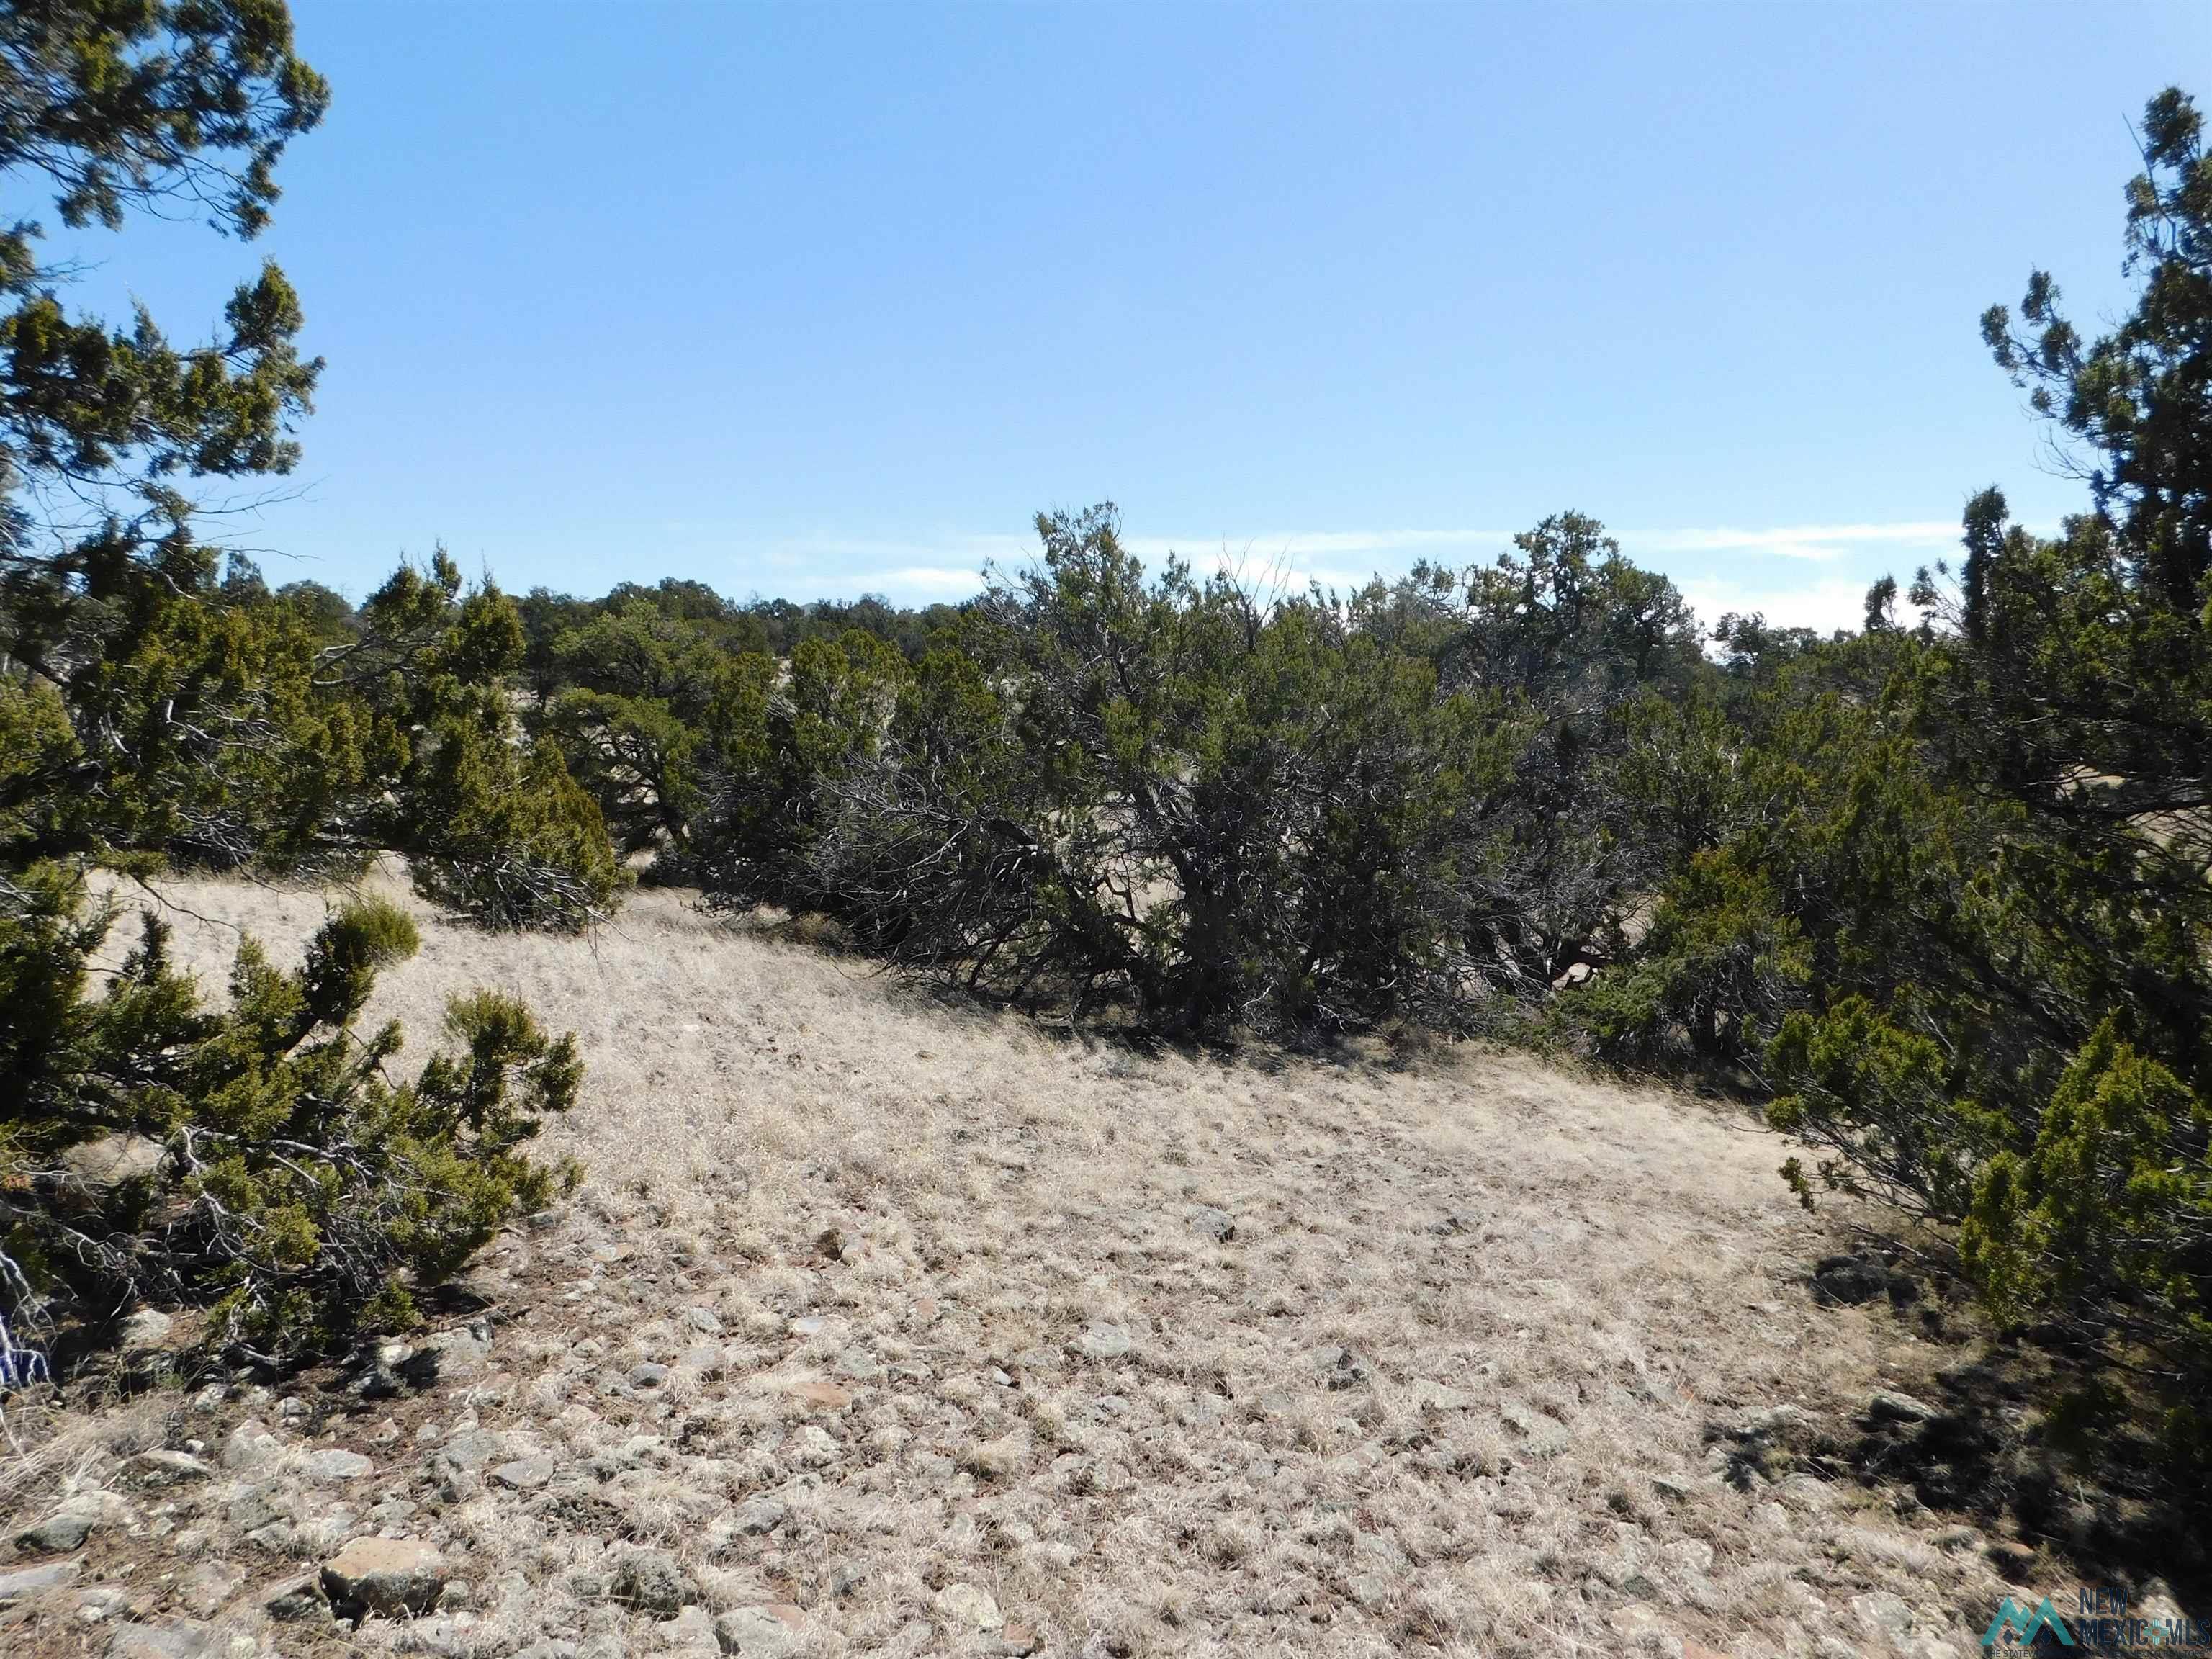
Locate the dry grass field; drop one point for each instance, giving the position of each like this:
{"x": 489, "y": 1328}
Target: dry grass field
{"x": 882, "y": 1326}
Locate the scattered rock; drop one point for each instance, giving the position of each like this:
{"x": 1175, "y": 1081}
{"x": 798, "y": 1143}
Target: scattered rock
{"x": 525, "y": 1473}
{"x": 770, "y": 1628}
{"x": 207, "y": 1586}
{"x": 250, "y": 1445}
{"x": 68, "y": 1526}
{"x": 333, "y": 1465}
{"x": 1885, "y": 1407}
{"x": 149, "y": 1328}
{"x": 966, "y": 1606}
{"x": 386, "y": 1575}
{"x": 173, "y": 1639}
{"x": 29, "y": 1581}
{"x": 652, "y": 1582}
{"x": 758, "y": 1515}
{"x": 1216, "y": 1225}
{"x": 1340, "y": 1367}
{"x": 170, "y": 1468}
{"x": 1104, "y": 1341}
{"x": 96, "y": 1168}
{"x": 297, "y": 1598}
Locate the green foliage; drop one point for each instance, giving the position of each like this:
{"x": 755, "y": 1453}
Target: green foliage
{"x": 304, "y": 1194}
{"x": 160, "y": 705}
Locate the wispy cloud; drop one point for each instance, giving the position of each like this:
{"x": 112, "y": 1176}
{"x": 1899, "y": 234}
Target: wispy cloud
{"x": 1712, "y": 563}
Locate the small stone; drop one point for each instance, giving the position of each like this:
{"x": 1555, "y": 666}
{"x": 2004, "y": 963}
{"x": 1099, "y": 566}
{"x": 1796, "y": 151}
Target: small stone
{"x": 525, "y": 1473}
{"x": 250, "y": 1444}
{"x": 170, "y": 1468}
{"x": 651, "y": 1581}
{"x": 1887, "y": 1406}
{"x": 1216, "y": 1225}
{"x": 97, "y": 1168}
{"x": 648, "y": 1376}
{"x": 149, "y": 1328}
{"x": 207, "y": 1585}
{"x": 173, "y": 1639}
{"x": 1104, "y": 1341}
{"x": 770, "y": 1628}
{"x": 298, "y": 1598}
{"x": 386, "y": 1575}
{"x": 762, "y": 1514}
{"x": 29, "y": 1581}
{"x": 68, "y": 1526}
{"x": 967, "y": 1605}
{"x": 333, "y": 1465}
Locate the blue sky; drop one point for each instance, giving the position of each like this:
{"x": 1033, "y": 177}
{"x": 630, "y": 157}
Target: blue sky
{"x": 807, "y": 300}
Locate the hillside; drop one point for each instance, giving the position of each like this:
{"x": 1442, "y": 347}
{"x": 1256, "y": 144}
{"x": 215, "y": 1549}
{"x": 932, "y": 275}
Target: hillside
{"x": 884, "y": 1325}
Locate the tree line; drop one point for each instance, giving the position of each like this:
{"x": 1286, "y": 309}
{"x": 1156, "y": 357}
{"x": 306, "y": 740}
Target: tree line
{"x": 1935, "y": 887}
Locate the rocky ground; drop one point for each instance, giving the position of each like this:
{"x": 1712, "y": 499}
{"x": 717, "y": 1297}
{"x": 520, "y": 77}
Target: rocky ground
{"x": 883, "y": 1326}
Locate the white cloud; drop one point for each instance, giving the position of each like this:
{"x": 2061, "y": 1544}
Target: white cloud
{"x": 951, "y": 565}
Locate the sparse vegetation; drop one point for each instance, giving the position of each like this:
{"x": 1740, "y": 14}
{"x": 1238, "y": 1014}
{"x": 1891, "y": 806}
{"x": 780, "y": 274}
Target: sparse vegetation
{"x": 1933, "y": 891}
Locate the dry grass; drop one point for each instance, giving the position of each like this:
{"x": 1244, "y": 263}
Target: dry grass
{"x": 1471, "y": 1310}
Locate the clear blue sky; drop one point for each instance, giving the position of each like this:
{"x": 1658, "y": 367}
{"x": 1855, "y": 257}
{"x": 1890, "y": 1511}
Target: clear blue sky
{"x": 806, "y": 301}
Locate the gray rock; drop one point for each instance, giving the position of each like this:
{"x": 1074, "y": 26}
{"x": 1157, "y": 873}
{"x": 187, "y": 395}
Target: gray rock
{"x": 525, "y": 1473}
{"x": 333, "y": 1465}
{"x": 97, "y": 1168}
{"x": 387, "y": 1576}
{"x": 652, "y": 1582}
{"x": 173, "y": 1639}
{"x": 264, "y": 1503}
{"x": 297, "y": 1598}
{"x": 149, "y": 1328}
{"x": 1340, "y": 1367}
{"x": 1217, "y": 1224}
{"x": 471, "y": 1449}
{"x": 1104, "y": 1341}
{"x": 759, "y": 1515}
{"x": 250, "y": 1445}
{"x": 170, "y": 1468}
{"x": 100, "y": 1601}
{"x": 68, "y": 1526}
{"x": 1885, "y": 1407}
{"x": 206, "y": 1586}
{"x": 30, "y": 1581}
{"x": 967, "y": 1605}
{"x": 769, "y": 1630}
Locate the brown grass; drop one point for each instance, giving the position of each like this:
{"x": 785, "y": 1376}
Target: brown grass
{"x": 1472, "y": 1310}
